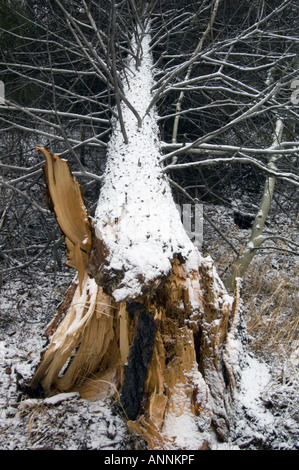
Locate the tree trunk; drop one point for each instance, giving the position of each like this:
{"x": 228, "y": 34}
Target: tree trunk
{"x": 150, "y": 322}
{"x": 256, "y": 239}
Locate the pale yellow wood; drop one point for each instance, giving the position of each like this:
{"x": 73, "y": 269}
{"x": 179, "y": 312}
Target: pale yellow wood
{"x": 70, "y": 211}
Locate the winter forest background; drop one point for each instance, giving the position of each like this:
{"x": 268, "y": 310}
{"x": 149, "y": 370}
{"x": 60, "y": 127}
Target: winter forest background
{"x": 225, "y": 92}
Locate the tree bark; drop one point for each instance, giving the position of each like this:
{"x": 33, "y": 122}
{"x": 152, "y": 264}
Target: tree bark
{"x": 150, "y": 322}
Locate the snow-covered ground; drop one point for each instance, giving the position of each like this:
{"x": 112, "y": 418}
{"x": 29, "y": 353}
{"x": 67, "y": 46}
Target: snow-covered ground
{"x": 69, "y": 422}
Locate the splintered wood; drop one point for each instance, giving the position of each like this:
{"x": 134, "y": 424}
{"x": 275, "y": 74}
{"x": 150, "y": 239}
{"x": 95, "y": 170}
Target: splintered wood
{"x": 175, "y": 387}
{"x": 191, "y": 386}
{"x": 85, "y": 341}
{"x": 70, "y": 211}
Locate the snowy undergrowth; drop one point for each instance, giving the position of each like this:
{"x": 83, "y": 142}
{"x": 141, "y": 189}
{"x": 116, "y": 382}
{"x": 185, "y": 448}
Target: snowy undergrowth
{"x": 267, "y": 415}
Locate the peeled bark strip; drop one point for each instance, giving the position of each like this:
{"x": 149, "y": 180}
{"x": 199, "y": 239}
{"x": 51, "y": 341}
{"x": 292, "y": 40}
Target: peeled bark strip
{"x": 150, "y": 323}
{"x": 138, "y": 361}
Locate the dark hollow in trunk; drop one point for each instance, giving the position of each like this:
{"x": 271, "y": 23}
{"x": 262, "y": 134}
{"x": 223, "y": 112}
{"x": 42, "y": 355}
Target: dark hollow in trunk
{"x": 140, "y": 356}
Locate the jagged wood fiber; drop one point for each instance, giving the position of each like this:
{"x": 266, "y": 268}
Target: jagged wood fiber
{"x": 70, "y": 210}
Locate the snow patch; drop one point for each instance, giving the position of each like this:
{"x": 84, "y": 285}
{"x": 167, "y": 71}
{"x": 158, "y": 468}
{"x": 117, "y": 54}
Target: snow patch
{"x": 254, "y": 422}
{"x": 181, "y": 428}
{"x": 254, "y": 380}
{"x": 50, "y": 401}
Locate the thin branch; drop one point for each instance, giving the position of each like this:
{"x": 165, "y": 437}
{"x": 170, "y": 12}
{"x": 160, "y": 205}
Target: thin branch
{"x": 287, "y": 176}
{"x": 234, "y": 149}
{"x": 189, "y": 71}
{"x": 25, "y": 196}
{"x": 285, "y": 250}
{"x": 251, "y": 111}
{"x": 115, "y": 75}
{"x": 35, "y": 258}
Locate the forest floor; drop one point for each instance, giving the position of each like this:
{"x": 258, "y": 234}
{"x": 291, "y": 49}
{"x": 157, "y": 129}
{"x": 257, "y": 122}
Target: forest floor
{"x": 267, "y": 414}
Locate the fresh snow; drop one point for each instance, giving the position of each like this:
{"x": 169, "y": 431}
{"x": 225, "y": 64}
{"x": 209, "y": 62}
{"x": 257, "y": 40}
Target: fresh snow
{"x": 180, "y": 428}
{"x": 136, "y": 215}
{"x": 254, "y": 380}
{"x": 49, "y": 401}
{"x": 65, "y": 421}
{"x": 59, "y": 422}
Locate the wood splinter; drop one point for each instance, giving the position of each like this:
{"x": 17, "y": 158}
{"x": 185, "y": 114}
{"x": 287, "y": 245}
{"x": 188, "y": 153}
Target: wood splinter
{"x": 70, "y": 210}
